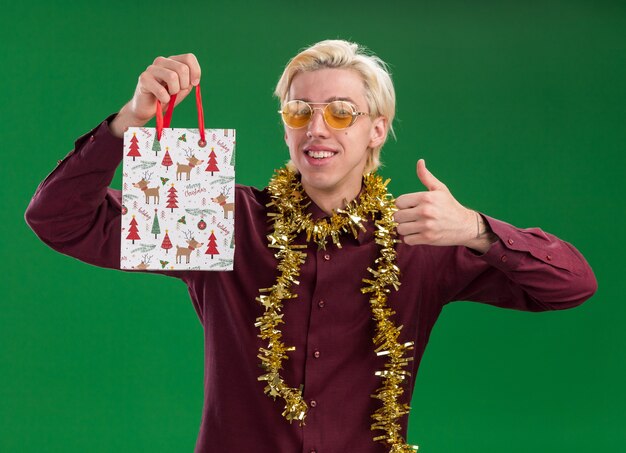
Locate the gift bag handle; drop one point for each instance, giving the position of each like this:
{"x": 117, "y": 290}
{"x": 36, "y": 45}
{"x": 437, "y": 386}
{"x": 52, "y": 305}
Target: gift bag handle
{"x": 165, "y": 122}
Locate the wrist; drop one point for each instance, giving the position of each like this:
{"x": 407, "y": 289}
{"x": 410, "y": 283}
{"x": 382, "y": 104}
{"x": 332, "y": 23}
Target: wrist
{"x": 482, "y": 236}
{"x": 123, "y": 120}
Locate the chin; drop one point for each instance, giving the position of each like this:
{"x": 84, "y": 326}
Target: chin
{"x": 330, "y": 177}
{"x": 319, "y": 180}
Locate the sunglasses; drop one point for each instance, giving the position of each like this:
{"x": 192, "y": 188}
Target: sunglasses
{"x": 337, "y": 114}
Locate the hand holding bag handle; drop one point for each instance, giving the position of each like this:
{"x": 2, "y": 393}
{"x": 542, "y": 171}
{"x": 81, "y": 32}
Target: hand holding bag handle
{"x": 165, "y": 122}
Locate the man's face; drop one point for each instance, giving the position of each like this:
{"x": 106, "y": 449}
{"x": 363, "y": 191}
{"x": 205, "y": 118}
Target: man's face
{"x": 332, "y": 161}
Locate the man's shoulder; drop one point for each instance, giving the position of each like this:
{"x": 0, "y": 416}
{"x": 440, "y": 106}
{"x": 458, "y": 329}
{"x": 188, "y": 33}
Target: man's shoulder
{"x": 251, "y": 194}
{"x": 251, "y": 199}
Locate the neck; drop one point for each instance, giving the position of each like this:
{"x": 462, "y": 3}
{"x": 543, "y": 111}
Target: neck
{"x": 330, "y": 200}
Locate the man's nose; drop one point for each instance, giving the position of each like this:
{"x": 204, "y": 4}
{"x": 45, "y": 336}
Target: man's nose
{"x": 317, "y": 126}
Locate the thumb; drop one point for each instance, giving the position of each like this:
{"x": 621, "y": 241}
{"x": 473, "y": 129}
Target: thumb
{"x": 427, "y": 178}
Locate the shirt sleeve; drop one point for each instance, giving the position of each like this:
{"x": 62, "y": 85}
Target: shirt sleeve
{"x": 525, "y": 269}
{"x": 74, "y": 211}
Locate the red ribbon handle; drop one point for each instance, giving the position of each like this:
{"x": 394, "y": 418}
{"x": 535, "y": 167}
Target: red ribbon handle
{"x": 165, "y": 122}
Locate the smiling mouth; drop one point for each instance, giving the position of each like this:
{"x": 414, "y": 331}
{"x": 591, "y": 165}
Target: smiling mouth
{"x": 319, "y": 154}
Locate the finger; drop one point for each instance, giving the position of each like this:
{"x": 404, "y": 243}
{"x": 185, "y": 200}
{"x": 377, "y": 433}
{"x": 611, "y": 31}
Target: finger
{"x": 415, "y": 239}
{"x": 405, "y": 215}
{"x": 406, "y": 201}
{"x": 181, "y": 69}
{"x": 166, "y": 77}
{"x": 427, "y": 178}
{"x": 408, "y": 228}
{"x": 411, "y": 200}
{"x": 191, "y": 62}
{"x": 148, "y": 84}
{"x": 423, "y": 235}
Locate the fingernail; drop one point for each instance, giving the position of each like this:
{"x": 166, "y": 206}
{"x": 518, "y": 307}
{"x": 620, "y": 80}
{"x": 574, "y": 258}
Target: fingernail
{"x": 195, "y": 82}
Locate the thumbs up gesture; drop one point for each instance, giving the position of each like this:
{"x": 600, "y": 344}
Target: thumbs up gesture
{"x": 435, "y": 217}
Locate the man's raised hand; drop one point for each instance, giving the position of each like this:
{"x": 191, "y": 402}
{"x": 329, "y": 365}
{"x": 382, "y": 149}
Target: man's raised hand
{"x": 435, "y": 217}
{"x": 177, "y": 74}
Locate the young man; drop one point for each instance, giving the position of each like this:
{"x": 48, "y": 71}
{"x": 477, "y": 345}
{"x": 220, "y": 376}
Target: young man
{"x": 324, "y": 308}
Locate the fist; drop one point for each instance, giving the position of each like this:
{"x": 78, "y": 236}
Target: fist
{"x": 434, "y": 217}
{"x": 177, "y": 74}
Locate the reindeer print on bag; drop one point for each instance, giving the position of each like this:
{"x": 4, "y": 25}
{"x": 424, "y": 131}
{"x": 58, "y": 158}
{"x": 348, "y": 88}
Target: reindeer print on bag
{"x": 148, "y": 192}
{"x": 192, "y": 244}
{"x": 145, "y": 262}
{"x": 221, "y": 200}
{"x": 192, "y": 160}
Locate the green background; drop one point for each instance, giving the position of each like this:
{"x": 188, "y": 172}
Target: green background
{"x": 518, "y": 106}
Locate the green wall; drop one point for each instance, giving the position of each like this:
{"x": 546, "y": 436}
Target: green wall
{"x": 518, "y": 106}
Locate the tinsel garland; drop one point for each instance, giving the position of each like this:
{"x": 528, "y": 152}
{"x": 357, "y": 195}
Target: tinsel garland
{"x": 289, "y": 218}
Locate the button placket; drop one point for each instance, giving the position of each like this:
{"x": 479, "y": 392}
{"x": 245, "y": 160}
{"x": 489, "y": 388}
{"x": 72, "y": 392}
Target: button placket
{"x": 314, "y": 366}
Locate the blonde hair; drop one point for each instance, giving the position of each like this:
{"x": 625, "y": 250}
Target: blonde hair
{"x": 339, "y": 54}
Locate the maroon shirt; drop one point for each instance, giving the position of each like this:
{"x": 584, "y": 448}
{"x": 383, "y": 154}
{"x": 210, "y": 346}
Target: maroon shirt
{"x": 330, "y": 324}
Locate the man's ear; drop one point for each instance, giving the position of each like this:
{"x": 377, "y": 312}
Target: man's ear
{"x": 380, "y": 127}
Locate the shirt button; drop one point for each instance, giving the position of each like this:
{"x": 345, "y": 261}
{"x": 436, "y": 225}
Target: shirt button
{"x": 321, "y": 304}
{"x": 316, "y": 354}
{"x": 92, "y": 139}
{"x": 327, "y": 257}
{"x": 504, "y": 258}
{"x": 549, "y": 257}
{"x": 313, "y": 403}
{"x": 510, "y": 241}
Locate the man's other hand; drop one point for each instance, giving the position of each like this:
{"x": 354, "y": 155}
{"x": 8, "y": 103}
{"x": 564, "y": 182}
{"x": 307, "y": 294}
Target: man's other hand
{"x": 435, "y": 217}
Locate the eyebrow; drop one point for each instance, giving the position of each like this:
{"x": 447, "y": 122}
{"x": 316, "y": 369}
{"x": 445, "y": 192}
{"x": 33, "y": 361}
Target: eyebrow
{"x": 331, "y": 99}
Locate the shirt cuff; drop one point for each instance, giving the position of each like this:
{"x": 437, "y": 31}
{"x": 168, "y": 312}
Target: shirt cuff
{"x": 515, "y": 244}
{"x": 99, "y": 147}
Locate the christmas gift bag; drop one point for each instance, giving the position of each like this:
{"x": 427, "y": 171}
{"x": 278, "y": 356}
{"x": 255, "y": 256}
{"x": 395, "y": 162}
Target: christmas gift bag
{"x": 178, "y": 196}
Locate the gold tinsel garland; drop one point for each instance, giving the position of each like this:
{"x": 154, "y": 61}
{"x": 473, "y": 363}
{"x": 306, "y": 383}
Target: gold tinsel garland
{"x": 289, "y": 220}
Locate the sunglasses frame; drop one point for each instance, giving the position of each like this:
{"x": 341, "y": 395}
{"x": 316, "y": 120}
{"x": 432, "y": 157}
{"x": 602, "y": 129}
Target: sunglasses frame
{"x": 355, "y": 113}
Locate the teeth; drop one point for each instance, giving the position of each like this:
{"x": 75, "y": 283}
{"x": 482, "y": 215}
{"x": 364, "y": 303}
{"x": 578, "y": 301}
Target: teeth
{"x": 320, "y": 154}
